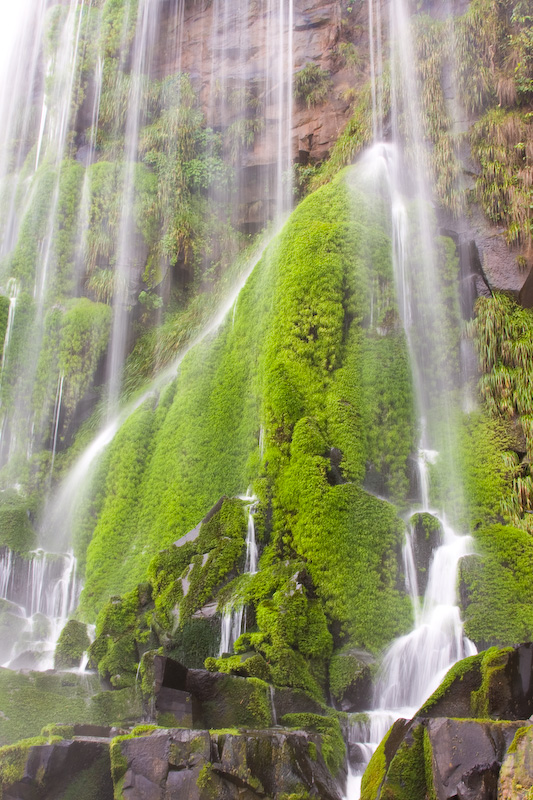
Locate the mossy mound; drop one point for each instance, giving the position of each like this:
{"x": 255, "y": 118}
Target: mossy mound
{"x": 496, "y": 587}
{"x": 72, "y": 643}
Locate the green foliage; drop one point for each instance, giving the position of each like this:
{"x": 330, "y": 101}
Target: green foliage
{"x": 503, "y": 336}
{"x": 72, "y": 643}
{"x": 356, "y": 134}
{"x": 312, "y": 85}
{"x": 498, "y": 587}
{"x": 502, "y": 145}
{"x": 333, "y": 747}
{"x": 16, "y": 530}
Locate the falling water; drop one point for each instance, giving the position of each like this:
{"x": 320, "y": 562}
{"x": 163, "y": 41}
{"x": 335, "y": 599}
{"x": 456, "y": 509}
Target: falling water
{"x": 12, "y": 293}
{"x": 39, "y": 593}
{"x": 68, "y": 109}
{"x": 233, "y": 622}
{"x": 413, "y": 666}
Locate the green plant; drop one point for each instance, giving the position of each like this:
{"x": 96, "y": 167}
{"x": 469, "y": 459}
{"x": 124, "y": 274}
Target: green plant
{"x": 312, "y": 85}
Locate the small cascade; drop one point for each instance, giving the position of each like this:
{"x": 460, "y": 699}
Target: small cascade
{"x": 233, "y": 622}
{"x": 12, "y": 293}
{"x": 37, "y": 594}
{"x": 230, "y": 629}
{"x": 57, "y": 413}
{"x": 415, "y": 664}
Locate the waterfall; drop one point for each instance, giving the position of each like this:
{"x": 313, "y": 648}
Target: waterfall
{"x": 414, "y": 664}
{"x": 81, "y": 100}
{"x": 38, "y": 593}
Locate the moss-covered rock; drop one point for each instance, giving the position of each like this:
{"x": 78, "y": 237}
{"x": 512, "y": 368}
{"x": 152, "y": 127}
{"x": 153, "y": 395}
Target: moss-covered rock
{"x": 496, "y": 590}
{"x": 72, "y": 643}
{"x": 16, "y": 530}
{"x": 332, "y": 746}
{"x": 350, "y": 679}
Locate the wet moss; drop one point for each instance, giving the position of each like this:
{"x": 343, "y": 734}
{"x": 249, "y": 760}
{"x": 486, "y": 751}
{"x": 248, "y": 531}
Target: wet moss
{"x": 72, "y": 643}
{"x": 333, "y": 746}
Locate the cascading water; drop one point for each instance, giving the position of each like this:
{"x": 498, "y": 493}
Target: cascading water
{"x": 38, "y": 593}
{"x": 233, "y": 622}
{"x": 413, "y": 666}
{"x": 97, "y": 123}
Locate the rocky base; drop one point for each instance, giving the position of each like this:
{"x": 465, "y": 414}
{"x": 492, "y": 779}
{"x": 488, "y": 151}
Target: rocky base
{"x": 172, "y": 763}
{"x": 481, "y": 750}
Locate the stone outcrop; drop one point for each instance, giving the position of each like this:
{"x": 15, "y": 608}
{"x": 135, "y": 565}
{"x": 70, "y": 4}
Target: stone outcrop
{"x": 176, "y": 764}
{"x": 472, "y": 740}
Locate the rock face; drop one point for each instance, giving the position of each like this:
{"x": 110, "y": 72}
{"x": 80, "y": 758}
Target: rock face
{"x": 198, "y": 765}
{"x": 427, "y": 536}
{"x": 178, "y": 764}
{"x": 51, "y": 769}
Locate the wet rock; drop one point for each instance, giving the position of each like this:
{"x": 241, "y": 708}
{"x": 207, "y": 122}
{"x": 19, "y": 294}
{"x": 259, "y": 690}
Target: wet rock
{"x": 516, "y": 775}
{"x": 466, "y": 756}
{"x": 178, "y": 764}
{"x": 427, "y": 536}
{"x": 50, "y": 769}
{"x": 351, "y": 680}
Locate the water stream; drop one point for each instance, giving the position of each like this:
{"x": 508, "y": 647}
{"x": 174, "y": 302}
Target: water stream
{"x": 414, "y": 664}
{"x": 233, "y": 622}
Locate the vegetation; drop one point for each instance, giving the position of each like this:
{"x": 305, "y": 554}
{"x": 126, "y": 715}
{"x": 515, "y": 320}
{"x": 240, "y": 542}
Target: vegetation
{"x": 312, "y": 85}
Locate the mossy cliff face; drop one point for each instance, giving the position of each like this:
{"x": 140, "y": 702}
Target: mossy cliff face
{"x": 294, "y": 368}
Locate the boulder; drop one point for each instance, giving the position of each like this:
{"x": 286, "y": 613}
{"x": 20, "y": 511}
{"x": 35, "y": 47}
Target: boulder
{"x": 351, "y": 679}
{"x": 51, "y": 769}
{"x": 516, "y": 775}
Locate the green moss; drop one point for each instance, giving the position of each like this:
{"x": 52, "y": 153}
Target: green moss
{"x": 72, "y": 643}
{"x": 4, "y": 314}
{"x": 457, "y": 672}
{"x": 30, "y": 701}
{"x": 13, "y": 760}
{"x": 519, "y": 735}
{"x": 333, "y": 747}
{"x": 92, "y": 783}
{"x": 406, "y": 775}
{"x": 16, "y": 530}
{"x": 431, "y": 793}
{"x": 375, "y": 772}
{"x": 493, "y": 662}
{"x": 119, "y": 765}
{"x": 497, "y": 585}
{"x": 345, "y": 669}
{"x": 240, "y": 702}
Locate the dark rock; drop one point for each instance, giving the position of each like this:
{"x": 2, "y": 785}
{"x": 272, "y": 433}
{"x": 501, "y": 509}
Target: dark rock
{"x": 51, "y": 768}
{"x": 427, "y": 536}
{"x": 351, "y": 679}
{"x": 294, "y": 701}
{"x": 168, "y": 764}
{"x": 466, "y": 756}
